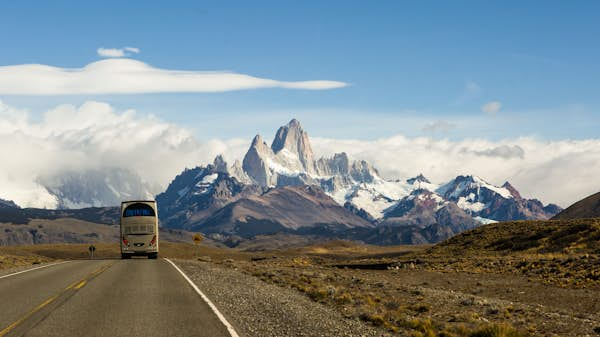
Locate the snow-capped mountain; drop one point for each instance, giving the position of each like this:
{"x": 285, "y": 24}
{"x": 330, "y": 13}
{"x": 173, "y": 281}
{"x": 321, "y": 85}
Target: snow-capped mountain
{"x": 289, "y": 209}
{"x": 486, "y": 201}
{"x": 422, "y": 208}
{"x": 290, "y": 161}
{"x": 360, "y": 188}
{"x": 95, "y": 188}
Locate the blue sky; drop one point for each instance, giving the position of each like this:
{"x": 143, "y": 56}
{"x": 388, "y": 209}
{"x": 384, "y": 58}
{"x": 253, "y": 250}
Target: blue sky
{"x": 415, "y": 68}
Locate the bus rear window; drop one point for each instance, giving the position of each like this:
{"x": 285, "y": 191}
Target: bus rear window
{"x": 138, "y": 210}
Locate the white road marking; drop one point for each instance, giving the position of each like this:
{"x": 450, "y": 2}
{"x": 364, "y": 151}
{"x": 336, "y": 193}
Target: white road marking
{"x": 26, "y": 270}
{"x": 205, "y": 298}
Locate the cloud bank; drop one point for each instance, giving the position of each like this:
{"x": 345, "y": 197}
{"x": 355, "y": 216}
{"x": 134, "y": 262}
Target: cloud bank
{"x": 117, "y": 52}
{"x": 95, "y": 136}
{"x": 126, "y": 76}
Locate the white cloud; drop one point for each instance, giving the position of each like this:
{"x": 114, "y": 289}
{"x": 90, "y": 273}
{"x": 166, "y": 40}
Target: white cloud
{"x": 491, "y": 108}
{"x": 94, "y": 136}
{"x": 132, "y": 49}
{"x": 440, "y": 125}
{"x": 561, "y": 171}
{"x": 126, "y": 76}
{"x": 117, "y": 52}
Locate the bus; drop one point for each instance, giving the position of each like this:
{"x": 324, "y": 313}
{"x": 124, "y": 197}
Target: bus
{"x": 139, "y": 229}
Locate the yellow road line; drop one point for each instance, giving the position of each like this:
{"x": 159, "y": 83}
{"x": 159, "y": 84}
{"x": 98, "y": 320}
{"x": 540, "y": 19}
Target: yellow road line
{"x": 71, "y": 285}
{"x": 22, "y": 319}
{"x": 77, "y": 285}
{"x": 81, "y": 284}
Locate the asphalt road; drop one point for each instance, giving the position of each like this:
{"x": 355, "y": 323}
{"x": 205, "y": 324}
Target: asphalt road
{"x": 135, "y": 297}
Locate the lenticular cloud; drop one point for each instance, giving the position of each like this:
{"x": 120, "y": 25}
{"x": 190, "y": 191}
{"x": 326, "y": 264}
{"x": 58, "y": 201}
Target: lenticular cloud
{"x": 126, "y": 76}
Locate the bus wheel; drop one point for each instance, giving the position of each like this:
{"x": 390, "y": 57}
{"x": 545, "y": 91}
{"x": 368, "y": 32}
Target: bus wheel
{"x": 125, "y": 256}
{"x": 153, "y": 256}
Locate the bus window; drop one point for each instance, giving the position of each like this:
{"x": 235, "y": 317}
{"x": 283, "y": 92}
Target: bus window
{"x": 138, "y": 210}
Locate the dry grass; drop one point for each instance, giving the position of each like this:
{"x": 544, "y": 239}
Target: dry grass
{"x": 8, "y": 261}
{"x": 565, "y": 253}
{"x": 376, "y": 300}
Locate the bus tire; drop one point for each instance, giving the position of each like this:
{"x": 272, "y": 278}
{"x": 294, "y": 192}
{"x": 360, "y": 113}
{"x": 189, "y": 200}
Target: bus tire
{"x": 153, "y": 256}
{"x": 125, "y": 256}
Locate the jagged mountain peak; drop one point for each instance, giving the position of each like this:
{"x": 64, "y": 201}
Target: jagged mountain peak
{"x": 258, "y": 142}
{"x": 294, "y": 123}
{"x": 291, "y": 142}
{"x": 513, "y": 191}
{"x": 290, "y": 136}
{"x": 418, "y": 179}
{"x": 340, "y": 156}
{"x": 220, "y": 164}
{"x": 464, "y": 185}
{"x": 363, "y": 171}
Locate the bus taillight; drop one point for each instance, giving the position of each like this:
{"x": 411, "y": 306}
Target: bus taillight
{"x": 125, "y": 241}
{"x": 153, "y": 241}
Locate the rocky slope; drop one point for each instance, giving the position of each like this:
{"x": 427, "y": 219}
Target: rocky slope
{"x": 295, "y": 209}
{"x": 195, "y": 194}
{"x": 423, "y": 208}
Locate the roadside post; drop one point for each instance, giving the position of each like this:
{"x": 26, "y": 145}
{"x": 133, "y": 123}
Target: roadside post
{"x": 92, "y": 248}
{"x": 197, "y": 239}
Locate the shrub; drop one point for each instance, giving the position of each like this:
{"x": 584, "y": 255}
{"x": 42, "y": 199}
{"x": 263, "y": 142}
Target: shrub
{"x": 375, "y": 319}
{"x": 496, "y": 330}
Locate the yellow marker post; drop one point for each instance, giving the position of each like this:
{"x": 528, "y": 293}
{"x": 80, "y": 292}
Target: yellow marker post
{"x": 197, "y": 239}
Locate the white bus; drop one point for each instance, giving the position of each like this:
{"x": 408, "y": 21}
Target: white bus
{"x": 139, "y": 229}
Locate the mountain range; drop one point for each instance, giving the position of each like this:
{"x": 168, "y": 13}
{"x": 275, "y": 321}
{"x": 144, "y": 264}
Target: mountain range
{"x": 284, "y": 188}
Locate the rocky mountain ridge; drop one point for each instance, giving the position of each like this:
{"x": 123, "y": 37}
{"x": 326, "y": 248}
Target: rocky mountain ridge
{"x": 359, "y": 187}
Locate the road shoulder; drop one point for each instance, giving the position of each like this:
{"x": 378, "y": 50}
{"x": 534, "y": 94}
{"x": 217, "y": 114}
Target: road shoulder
{"x": 256, "y": 308}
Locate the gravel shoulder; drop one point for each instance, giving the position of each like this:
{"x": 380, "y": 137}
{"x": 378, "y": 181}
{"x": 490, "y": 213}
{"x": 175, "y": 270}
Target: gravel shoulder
{"x": 256, "y": 308}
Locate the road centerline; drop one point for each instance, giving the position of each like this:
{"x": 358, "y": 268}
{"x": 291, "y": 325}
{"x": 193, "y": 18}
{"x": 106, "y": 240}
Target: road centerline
{"x": 37, "y": 314}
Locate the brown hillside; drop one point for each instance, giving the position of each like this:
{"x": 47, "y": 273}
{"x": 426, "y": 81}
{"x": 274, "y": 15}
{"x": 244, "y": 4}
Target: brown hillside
{"x": 581, "y": 236}
{"x": 586, "y": 208}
